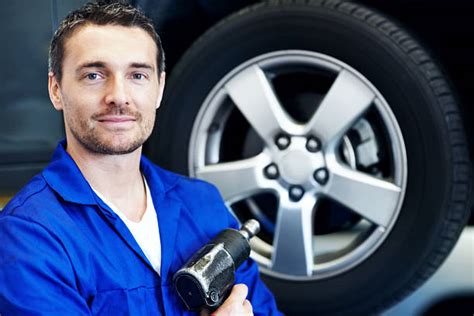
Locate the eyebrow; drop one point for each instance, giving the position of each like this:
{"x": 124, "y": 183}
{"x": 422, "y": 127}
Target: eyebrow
{"x": 94, "y": 64}
{"x": 142, "y": 65}
{"x": 101, "y": 64}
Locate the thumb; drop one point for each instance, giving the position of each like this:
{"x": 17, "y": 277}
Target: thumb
{"x": 239, "y": 293}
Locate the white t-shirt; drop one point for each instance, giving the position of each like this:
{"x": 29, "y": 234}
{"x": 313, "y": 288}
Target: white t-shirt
{"x": 146, "y": 232}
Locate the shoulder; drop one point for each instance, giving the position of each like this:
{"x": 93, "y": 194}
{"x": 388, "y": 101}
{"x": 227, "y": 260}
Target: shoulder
{"x": 199, "y": 190}
{"x": 201, "y": 200}
{"x": 25, "y": 222}
{"x": 184, "y": 187}
{"x": 36, "y": 203}
{"x": 197, "y": 193}
{"x": 27, "y": 198}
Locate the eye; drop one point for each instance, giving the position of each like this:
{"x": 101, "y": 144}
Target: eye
{"x": 138, "y": 76}
{"x": 93, "y": 76}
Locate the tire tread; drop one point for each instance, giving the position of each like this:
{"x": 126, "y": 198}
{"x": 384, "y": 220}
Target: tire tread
{"x": 456, "y": 216}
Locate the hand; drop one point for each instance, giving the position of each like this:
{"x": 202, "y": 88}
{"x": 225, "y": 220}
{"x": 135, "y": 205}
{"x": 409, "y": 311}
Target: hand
{"x": 235, "y": 305}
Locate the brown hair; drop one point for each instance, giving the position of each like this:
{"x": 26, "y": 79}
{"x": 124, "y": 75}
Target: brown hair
{"x": 100, "y": 13}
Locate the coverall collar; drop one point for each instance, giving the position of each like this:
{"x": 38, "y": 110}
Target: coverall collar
{"x": 65, "y": 177}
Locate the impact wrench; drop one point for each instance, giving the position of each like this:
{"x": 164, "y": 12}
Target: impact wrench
{"x": 206, "y": 279}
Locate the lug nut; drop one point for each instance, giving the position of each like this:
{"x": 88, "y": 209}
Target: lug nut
{"x": 282, "y": 141}
{"x": 321, "y": 176}
{"x": 296, "y": 193}
{"x": 271, "y": 171}
{"x": 313, "y": 144}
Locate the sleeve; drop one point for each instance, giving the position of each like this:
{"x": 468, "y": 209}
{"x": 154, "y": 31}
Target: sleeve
{"x": 262, "y": 299}
{"x": 36, "y": 275}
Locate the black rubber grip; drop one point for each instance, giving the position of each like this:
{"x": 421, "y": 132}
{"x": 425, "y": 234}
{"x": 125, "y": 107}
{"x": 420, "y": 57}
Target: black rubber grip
{"x": 236, "y": 244}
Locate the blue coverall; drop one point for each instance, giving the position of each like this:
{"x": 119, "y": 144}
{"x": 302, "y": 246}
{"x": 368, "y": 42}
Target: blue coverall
{"x": 63, "y": 251}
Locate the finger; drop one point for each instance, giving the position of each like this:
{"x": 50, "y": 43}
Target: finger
{"x": 239, "y": 293}
{"x": 235, "y": 300}
{"x": 248, "y": 307}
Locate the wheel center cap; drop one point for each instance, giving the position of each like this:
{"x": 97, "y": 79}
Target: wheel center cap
{"x": 296, "y": 167}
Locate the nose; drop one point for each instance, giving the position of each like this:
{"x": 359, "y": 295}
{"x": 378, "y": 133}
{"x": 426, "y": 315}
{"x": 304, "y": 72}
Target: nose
{"x": 117, "y": 92}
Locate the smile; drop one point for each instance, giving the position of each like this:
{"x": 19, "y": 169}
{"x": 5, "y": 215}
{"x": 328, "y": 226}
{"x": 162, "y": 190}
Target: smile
{"x": 116, "y": 119}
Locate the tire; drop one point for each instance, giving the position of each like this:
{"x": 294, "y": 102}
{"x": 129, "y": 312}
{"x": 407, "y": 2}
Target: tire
{"x": 408, "y": 140}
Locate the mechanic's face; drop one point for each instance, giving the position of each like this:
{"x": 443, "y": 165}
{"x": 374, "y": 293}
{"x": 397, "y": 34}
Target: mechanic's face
{"x": 110, "y": 90}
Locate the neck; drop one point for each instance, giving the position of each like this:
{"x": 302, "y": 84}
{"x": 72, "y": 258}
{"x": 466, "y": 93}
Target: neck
{"x": 117, "y": 177}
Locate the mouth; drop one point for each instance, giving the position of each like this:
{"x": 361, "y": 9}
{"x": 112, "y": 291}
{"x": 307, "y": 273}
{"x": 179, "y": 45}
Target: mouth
{"x": 117, "y": 122}
{"x": 116, "y": 119}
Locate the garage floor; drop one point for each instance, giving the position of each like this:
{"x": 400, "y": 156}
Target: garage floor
{"x": 455, "y": 278}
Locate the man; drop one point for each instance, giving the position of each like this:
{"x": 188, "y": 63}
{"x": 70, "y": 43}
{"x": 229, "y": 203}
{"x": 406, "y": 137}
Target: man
{"x": 102, "y": 230}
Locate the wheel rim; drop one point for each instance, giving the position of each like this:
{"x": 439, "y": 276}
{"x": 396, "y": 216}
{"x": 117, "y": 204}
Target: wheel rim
{"x": 327, "y": 163}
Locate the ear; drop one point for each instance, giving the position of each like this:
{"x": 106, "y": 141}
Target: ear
{"x": 54, "y": 92}
{"x": 161, "y": 82}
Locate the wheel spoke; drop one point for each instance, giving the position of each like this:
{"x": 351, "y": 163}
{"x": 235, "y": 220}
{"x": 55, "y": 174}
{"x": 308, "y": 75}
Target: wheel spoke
{"x": 293, "y": 251}
{"x": 254, "y": 96}
{"x": 346, "y": 101}
{"x": 372, "y": 198}
{"x": 236, "y": 180}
